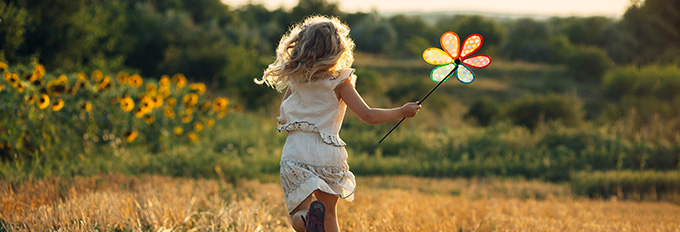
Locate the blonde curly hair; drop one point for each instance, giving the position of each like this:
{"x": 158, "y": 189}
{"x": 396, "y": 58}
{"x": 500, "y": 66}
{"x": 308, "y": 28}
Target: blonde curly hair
{"x": 314, "y": 49}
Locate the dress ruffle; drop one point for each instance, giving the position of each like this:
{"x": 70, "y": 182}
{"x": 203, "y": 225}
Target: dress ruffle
{"x": 299, "y": 180}
{"x": 305, "y": 126}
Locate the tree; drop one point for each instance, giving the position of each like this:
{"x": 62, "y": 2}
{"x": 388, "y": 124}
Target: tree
{"x": 12, "y": 21}
{"x": 305, "y": 8}
{"x": 465, "y": 25}
{"x": 655, "y": 25}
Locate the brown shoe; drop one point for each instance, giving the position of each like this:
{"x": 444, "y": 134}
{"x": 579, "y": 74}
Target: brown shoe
{"x": 315, "y": 217}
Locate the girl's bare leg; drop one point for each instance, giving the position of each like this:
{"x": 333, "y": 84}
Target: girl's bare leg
{"x": 298, "y": 213}
{"x": 330, "y": 219}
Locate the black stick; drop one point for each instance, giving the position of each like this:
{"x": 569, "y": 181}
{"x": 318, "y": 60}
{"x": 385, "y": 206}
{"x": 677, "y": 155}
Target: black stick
{"x": 422, "y": 100}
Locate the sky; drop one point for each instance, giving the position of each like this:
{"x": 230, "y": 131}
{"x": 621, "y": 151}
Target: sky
{"x": 540, "y": 7}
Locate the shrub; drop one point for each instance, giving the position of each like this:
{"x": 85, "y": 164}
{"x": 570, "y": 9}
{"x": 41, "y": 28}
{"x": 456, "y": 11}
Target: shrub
{"x": 588, "y": 64}
{"x": 484, "y": 110}
{"x": 530, "y": 110}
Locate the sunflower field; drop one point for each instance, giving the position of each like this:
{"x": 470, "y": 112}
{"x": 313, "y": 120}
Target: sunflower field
{"x": 51, "y": 115}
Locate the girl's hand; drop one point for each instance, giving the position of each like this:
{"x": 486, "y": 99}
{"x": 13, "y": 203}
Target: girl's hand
{"x": 410, "y": 109}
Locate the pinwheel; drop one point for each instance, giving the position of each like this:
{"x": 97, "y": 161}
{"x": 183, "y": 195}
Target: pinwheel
{"x": 452, "y": 60}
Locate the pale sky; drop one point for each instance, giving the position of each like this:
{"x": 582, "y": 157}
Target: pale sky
{"x": 543, "y": 7}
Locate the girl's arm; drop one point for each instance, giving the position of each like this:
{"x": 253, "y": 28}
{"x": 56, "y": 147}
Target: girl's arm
{"x": 356, "y": 104}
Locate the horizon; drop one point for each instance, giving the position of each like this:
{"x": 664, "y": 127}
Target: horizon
{"x": 611, "y": 8}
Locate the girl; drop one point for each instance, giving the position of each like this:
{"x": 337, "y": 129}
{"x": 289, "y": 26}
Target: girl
{"x": 313, "y": 61}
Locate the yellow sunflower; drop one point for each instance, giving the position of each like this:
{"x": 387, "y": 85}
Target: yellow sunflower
{"x": 165, "y": 81}
{"x": 180, "y": 80}
{"x": 97, "y": 75}
{"x": 158, "y": 101}
{"x": 20, "y": 87}
{"x": 149, "y": 119}
{"x": 139, "y": 113}
{"x": 127, "y": 104}
{"x": 82, "y": 76}
{"x": 169, "y": 113}
{"x": 186, "y": 119}
{"x": 39, "y": 71}
{"x": 192, "y": 136}
{"x": 105, "y": 84}
{"x": 131, "y": 136}
{"x": 86, "y": 107}
{"x": 198, "y": 126}
{"x": 146, "y": 104}
{"x": 135, "y": 81}
{"x": 44, "y": 101}
{"x": 29, "y": 99}
{"x": 172, "y": 102}
{"x": 151, "y": 89}
{"x": 13, "y": 79}
{"x": 62, "y": 79}
{"x": 57, "y": 105}
{"x": 122, "y": 77}
{"x": 164, "y": 91}
{"x": 198, "y": 88}
{"x": 220, "y": 104}
{"x": 190, "y": 99}
{"x": 178, "y": 130}
{"x": 210, "y": 123}
{"x": 3, "y": 66}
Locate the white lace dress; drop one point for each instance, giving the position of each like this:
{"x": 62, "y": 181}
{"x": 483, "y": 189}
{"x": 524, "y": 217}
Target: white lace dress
{"x": 314, "y": 156}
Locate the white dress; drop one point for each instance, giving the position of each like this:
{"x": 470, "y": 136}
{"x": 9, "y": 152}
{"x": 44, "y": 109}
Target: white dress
{"x": 314, "y": 156}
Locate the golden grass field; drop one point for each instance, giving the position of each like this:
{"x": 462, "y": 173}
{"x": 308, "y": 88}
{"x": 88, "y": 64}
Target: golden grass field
{"x": 159, "y": 203}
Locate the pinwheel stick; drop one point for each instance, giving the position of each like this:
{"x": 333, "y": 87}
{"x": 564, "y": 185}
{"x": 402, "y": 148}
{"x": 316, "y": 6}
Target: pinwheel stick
{"x": 422, "y": 100}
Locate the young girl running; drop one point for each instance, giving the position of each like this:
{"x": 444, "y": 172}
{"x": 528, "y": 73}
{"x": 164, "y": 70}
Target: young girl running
{"x": 313, "y": 61}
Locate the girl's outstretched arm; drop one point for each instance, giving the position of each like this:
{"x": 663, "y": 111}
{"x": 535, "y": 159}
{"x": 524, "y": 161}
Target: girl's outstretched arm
{"x": 356, "y": 104}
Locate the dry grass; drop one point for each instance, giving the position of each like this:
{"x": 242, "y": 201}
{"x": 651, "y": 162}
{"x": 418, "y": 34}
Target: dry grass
{"x": 156, "y": 203}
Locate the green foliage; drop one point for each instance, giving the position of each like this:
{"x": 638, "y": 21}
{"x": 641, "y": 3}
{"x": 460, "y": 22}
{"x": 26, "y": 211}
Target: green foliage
{"x": 484, "y": 110}
{"x": 627, "y": 184}
{"x": 587, "y": 64}
{"x": 530, "y": 110}
{"x": 12, "y": 19}
{"x": 658, "y": 81}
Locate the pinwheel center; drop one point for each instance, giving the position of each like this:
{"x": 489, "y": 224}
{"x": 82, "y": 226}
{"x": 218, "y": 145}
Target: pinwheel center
{"x": 457, "y": 61}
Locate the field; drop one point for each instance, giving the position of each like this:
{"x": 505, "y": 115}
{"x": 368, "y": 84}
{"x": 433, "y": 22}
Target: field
{"x": 399, "y": 203}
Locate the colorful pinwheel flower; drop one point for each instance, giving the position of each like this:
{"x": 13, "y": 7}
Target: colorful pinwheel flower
{"x": 452, "y": 56}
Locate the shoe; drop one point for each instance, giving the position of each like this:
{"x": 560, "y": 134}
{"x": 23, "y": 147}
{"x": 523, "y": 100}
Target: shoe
{"x": 315, "y": 217}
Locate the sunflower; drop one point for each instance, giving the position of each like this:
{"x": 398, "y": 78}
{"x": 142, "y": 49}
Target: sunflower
{"x": 168, "y": 112}
{"x": 97, "y": 75}
{"x": 172, "y": 102}
{"x": 127, "y": 104}
{"x": 206, "y": 105}
{"x": 190, "y": 99}
{"x": 3, "y": 66}
{"x": 149, "y": 119}
{"x": 131, "y": 136}
{"x": 20, "y": 87}
{"x": 39, "y": 71}
{"x": 186, "y": 119}
{"x": 105, "y": 84}
{"x": 198, "y": 88}
{"x": 122, "y": 77}
{"x": 180, "y": 80}
{"x": 135, "y": 81}
{"x": 198, "y": 126}
{"x": 57, "y": 105}
{"x": 165, "y": 81}
{"x": 151, "y": 89}
{"x": 29, "y": 99}
{"x": 164, "y": 91}
{"x": 82, "y": 76}
{"x": 157, "y": 101}
{"x": 178, "y": 130}
{"x": 139, "y": 113}
{"x": 192, "y": 136}
{"x": 86, "y": 107}
{"x": 210, "y": 123}
{"x": 44, "y": 101}
{"x": 13, "y": 79}
{"x": 56, "y": 88}
{"x": 62, "y": 79}
{"x": 146, "y": 104}
{"x": 220, "y": 104}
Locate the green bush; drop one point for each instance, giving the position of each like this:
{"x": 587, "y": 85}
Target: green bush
{"x": 627, "y": 184}
{"x": 588, "y": 64}
{"x": 484, "y": 110}
{"x": 659, "y": 81}
{"x": 530, "y": 110}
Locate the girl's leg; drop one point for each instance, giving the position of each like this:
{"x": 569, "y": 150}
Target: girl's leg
{"x": 330, "y": 219}
{"x": 299, "y": 212}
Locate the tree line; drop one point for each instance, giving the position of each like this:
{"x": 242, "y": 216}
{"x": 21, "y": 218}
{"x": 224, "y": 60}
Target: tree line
{"x": 227, "y": 46}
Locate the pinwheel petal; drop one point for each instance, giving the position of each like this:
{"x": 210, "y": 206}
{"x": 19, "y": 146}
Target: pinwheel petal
{"x": 464, "y": 74}
{"x": 439, "y": 73}
{"x": 479, "y": 61}
{"x": 471, "y": 44}
{"x": 451, "y": 44}
{"x": 436, "y": 56}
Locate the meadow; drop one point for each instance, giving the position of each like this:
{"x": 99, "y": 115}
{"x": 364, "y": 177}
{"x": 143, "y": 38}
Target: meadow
{"x": 394, "y": 203}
